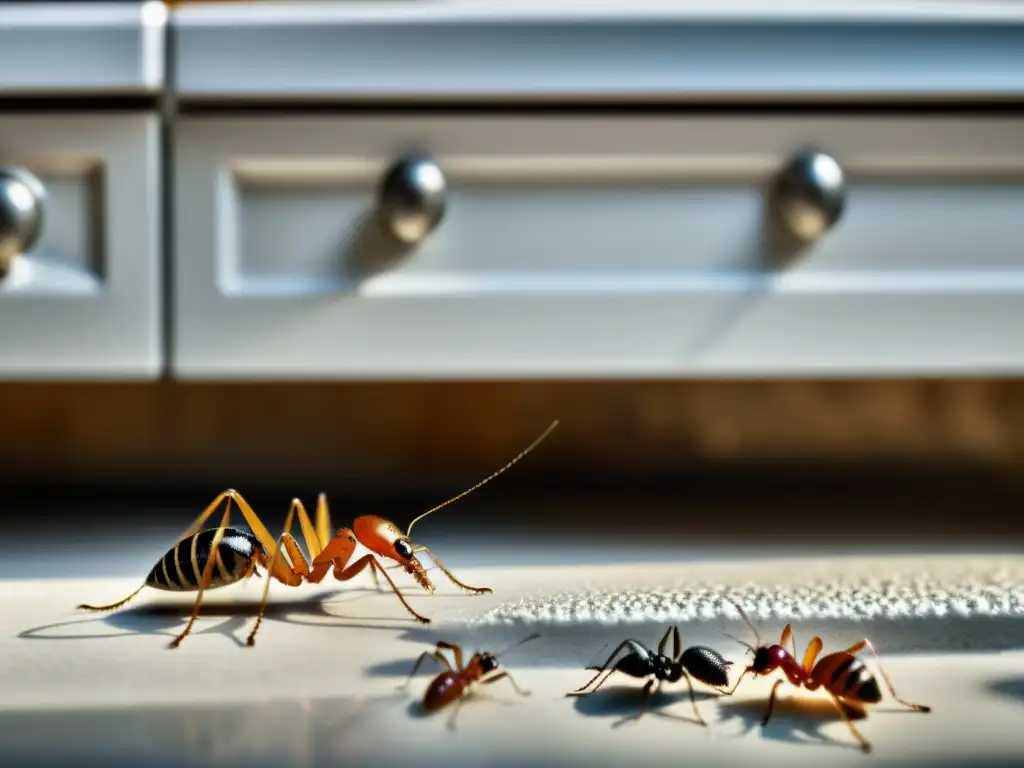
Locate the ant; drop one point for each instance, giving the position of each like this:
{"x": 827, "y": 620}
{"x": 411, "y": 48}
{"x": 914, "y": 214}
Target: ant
{"x": 845, "y": 678}
{"x": 454, "y": 684}
{"x": 188, "y": 566}
{"x": 705, "y": 664}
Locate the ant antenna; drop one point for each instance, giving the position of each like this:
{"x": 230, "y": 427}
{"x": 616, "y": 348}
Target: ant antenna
{"x": 599, "y": 653}
{"x": 534, "y": 636}
{"x": 757, "y": 635}
{"x": 733, "y": 637}
{"x": 529, "y": 448}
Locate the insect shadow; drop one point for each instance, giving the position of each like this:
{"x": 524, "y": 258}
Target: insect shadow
{"x": 624, "y": 700}
{"x": 1009, "y": 688}
{"x": 255, "y": 733}
{"x": 796, "y": 720}
{"x": 416, "y": 709}
{"x": 165, "y": 619}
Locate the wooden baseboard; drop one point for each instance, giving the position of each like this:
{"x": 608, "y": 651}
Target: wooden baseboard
{"x": 394, "y": 434}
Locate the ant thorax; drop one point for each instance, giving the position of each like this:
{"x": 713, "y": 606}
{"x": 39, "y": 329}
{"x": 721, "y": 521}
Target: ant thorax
{"x": 675, "y": 673}
{"x": 665, "y": 668}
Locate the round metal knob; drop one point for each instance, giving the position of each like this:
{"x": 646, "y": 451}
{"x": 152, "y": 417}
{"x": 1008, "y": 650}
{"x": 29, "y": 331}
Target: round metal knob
{"x": 412, "y": 199}
{"x": 22, "y": 197}
{"x": 810, "y": 194}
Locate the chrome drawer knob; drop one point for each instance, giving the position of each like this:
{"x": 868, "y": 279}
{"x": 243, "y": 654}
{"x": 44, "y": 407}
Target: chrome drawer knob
{"x": 810, "y": 194}
{"x": 22, "y": 198}
{"x": 412, "y": 199}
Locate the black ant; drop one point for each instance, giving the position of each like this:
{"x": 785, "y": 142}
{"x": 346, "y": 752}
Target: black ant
{"x": 845, "y": 678}
{"x": 705, "y": 664}
{"x": 454, "y": 684}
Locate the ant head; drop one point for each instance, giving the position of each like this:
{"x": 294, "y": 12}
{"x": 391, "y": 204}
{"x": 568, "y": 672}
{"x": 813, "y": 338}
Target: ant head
{"x": 766, "y": 659}
{"x": 403, "y": 548}
{"x": 384, "y": 538}
{"x": 488, "y": 662}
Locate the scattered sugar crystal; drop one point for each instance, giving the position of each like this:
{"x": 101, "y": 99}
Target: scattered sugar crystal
{"x": 1000, "y": 594}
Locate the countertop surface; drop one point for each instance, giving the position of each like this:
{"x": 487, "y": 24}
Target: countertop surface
{"x": 320, "y": 685}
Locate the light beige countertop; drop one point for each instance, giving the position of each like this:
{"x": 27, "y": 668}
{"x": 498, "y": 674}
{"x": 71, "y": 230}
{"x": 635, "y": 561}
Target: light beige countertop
{"x": 319, "y": 687}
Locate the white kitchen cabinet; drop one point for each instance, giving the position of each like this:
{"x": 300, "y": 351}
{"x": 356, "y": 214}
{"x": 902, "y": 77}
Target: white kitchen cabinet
{"x": 595, "y": 246}
{"x": 84, "y": 299}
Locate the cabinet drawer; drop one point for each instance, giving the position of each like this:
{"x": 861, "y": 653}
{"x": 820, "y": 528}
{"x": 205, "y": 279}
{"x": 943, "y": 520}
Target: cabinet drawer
{"x": 80, "y": 296}
{"x": 595, "y": 246}
{"x": 516, "y": 50}
{"x": 80, "y": 49}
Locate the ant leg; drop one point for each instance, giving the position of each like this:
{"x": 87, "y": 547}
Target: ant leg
{"x": 738, "y": 681}
{"x": 856, "y": 647}
{"x": 435, "y": 655}
{"x": 455, "y": 712}
{"x": 323, "y": 534}
{"x": 645, "y": 696}
{"x": 456, "y": 649}
{"x": 376, "y": 579}
{"x": 278, "y": 568}
{"x": 771, "y": 703}
{"x": 693, "y": 699}
{"x": 192, "y": 529}
{"x": 252, "y": 520}
{"x": 505, "y": 676}
{"x": 864, "y": 745}
{"x": 368, "y": 560}
{"x": 664, "y": 642}
{"x": 455, "y": 581}
{"x": 336, "y": 553}
{"x": 323, "y": 523}
{"x": 207, "y": 574}
{"x": 811, "y": 654}
{"x": 634, "y": 644}
{"x": 787, "y": 634}
{"x": 210, "y": 509}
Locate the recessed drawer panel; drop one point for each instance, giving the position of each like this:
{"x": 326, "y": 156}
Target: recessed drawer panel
{"x": 595, "y": 246}
{"x": 79, "y": 227}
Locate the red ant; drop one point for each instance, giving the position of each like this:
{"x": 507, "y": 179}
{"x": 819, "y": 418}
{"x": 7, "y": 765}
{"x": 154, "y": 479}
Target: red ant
{"x": 845, "y": 678}
{"x": 189, "y": 567}
{"x": 454, "y": 684}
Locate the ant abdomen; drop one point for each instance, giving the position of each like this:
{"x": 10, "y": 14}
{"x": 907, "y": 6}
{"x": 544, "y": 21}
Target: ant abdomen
{"x": 707, "y": 665}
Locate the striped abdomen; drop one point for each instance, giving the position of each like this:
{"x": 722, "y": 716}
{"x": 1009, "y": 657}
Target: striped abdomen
{"x": 847, "y": 677}
{"x": 181, "y": 569}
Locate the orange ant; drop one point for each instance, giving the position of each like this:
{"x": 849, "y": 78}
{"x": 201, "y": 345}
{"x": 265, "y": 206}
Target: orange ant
{"x": 454, "y": 684}
{"x": 845, "y": 678}
{"x": 188, "y": 565}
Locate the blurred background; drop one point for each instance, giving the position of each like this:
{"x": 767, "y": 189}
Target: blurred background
{"x": 691, "y": 468}
{"x": 702, "y": 465}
